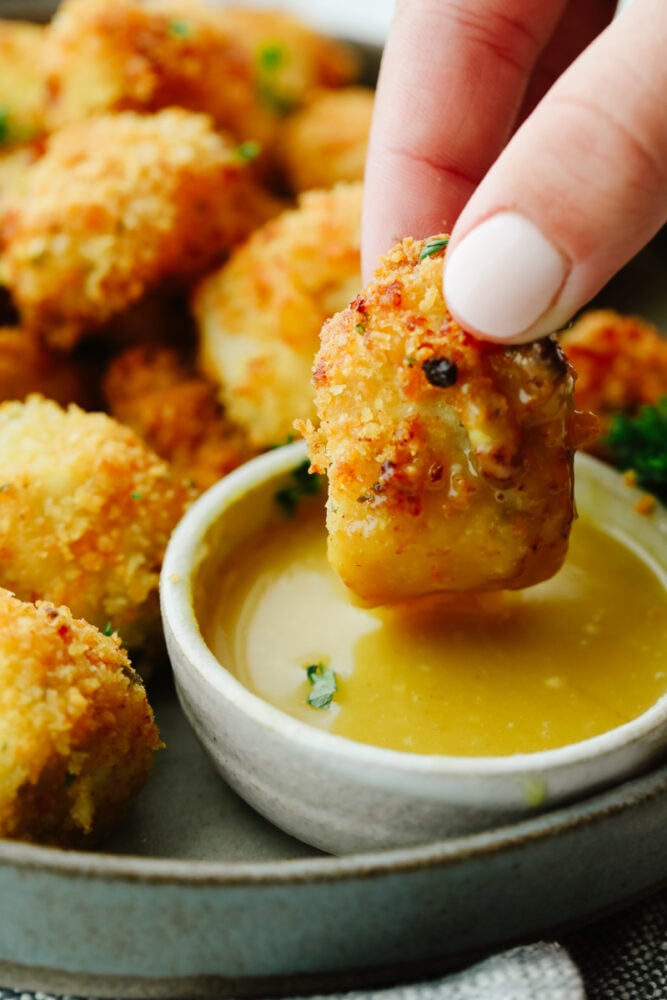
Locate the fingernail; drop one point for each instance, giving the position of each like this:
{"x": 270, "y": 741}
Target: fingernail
{"x": 503, "y": 277}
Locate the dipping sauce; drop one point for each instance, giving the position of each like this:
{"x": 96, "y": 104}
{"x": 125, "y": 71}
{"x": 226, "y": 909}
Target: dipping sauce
{"x": 488, "y": 674}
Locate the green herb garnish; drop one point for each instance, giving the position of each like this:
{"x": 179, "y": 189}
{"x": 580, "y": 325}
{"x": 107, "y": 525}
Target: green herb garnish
{"x": 248, "y": 150}
{"x": 303, "y": 484}
{"x": 323, "y": 685}
{"x": 271, "y": 57}
{"x": 432, "y": 247}
{"x": 179, "y": 29}
{"x": 534, "y": 791}
{"x": 136, "y": 496}
{"x": 108, "y": 629}
{"x": 640, "y": 443}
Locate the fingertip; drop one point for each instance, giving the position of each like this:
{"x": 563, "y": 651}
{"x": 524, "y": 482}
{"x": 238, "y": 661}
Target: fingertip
{"x": 503, "y": 280}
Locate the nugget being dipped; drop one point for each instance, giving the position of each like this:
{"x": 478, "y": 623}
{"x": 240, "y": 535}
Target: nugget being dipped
{"x": 449, "y": 459}
{"x": 77, "y": 735}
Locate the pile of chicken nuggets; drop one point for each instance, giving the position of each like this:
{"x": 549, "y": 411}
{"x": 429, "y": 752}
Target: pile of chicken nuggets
{"x": 180, "y": 203}
{"x": 180, "y": 193}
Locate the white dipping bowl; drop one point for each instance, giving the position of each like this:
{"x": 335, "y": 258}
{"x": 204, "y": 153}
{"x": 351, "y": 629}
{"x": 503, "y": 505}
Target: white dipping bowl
{"x": 343, "y": 796}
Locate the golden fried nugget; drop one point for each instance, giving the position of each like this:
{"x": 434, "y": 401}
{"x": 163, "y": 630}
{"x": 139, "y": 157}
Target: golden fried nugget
{"x": 22, "y": 82}
{"x": 621, "y": 365}
{"x": 145, "y": 56}
{"x": 244, "y": 68}
{"x": 26, "y": 367}
{"x": 86, "y": 510}
{"x": 176, "y": 412}
{"x": 77, "y": 735}
{"x": 260, "y": 315}
{"x": 449, "y": 459}
{"x": 114, "y": 206}
{"x": 326, "y": 140}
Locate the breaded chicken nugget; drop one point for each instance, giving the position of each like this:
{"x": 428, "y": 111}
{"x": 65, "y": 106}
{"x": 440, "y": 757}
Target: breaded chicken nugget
{"x": 145, "y": 55}
{"x": 620, "y": 361}
{"x": 26, "y": 367}
{"x": 325, "y": 141}
{"x": 260, "y": 315}
{"x": 22, "y": 82}
{"x": 176, "y": 412}
{"x": 86, "y": 510}
{"x": 244, "y": 68}
{"x": 77, "y": 735}
{"x": 115, "y": 205}
{"x": 449, "y": 459}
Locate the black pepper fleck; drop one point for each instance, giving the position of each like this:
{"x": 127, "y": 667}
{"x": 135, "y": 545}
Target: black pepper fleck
{"x": 440, "y": 372}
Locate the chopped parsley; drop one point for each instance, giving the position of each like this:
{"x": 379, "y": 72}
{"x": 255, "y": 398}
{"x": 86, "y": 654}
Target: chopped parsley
{"x": 303, "y": 483}
{"x": 108, "y": 629}
{"x": 248, "y": 150}
{"x": 271, "y": 57}
{"x": 534, "y": 791}
{"x": 136, "y": 496}
{"x": 432, "y": 247}
{"x": 323, "y": 685}
{"x": 179, "y": 29}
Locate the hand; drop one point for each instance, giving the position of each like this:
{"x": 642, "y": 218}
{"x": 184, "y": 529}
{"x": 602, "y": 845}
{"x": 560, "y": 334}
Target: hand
{"x": 534, "y": 130}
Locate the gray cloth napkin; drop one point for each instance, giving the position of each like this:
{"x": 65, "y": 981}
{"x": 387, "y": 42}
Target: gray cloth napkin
{"x": 542, "y": 970}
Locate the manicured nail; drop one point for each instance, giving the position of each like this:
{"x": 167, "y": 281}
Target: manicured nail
{"x": 503, "y": 277}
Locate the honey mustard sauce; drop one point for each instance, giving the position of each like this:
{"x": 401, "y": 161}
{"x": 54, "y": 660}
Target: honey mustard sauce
{"x": 486, "y": 674}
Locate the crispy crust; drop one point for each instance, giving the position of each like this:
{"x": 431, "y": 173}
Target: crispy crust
{"x": 77, "y": 735}
{"x": 176, "y": 412}
{"x": 621, "y": 365}
{"x": 449, "y": 459}
{"x": 260, "y": 315}
{"x": 86, "y": 510}
{"x": 116, "y": 205}
{"x": 325, "y": 142}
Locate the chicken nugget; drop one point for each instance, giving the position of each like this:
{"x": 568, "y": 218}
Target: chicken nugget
{"x": 259, "y": 316}
{"x": 621, "y": 365}
{"x": 244, "y": 68}
{"x": 175, "y": 410}
{"x": 449, "y": 459}
{"x": 325, "y": 141}
{"x": 86, "y": 510}
{"x": 116, "y": 205}
{"x": 77, "y": 735}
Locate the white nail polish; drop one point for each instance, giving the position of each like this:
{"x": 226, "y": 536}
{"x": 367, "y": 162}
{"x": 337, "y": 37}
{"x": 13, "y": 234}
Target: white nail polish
{"x": 502, "y": 277}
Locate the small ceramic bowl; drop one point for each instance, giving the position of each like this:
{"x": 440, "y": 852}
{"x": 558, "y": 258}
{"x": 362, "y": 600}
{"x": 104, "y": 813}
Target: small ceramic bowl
{"x": 340, "y": 795}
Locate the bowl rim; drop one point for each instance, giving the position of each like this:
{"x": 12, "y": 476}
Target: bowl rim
{"x": 184, "y": 555}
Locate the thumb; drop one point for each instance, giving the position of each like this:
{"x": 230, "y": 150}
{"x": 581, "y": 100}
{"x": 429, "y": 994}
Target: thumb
{"x": 579, "y": 189}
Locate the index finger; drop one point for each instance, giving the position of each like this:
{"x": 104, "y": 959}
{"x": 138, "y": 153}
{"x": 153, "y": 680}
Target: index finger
{"x": 451, "y": 85}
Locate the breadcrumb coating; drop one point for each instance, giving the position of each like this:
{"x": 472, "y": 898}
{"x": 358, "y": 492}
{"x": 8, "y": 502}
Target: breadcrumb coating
{"x": 176, "y": 412}
{"x": 242, "y": 67}
{"x": 77, "y": 735}
{"x": 114, "y": 206}
{"x": 325, "y": 141}
{"x": 86, "y": 510}
{"x": 621, "y": 365}
{"x": 449, "y": 459}
{"x": 259, "y": 315}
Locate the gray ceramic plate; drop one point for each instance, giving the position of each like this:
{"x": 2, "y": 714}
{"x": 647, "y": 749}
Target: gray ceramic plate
{"x": 198, "y": 896}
